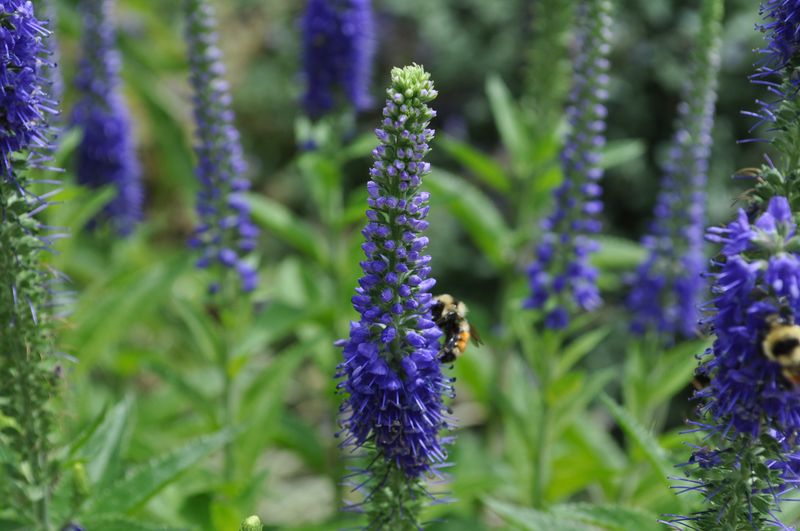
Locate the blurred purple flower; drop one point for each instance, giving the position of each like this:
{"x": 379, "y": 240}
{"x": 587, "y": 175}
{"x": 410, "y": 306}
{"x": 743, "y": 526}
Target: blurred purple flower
{"x": 338, "y": 50}
{"x": 561, "y": 269}
{"x": 107, "y": 154}
{"x": 391, "y": 370}
{"x": 225, "y": 234}
{"x": 668, "y": 286}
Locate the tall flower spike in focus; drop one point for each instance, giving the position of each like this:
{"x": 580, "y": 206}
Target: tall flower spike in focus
{"x": 751, "y": 406}
{"x": 561, "y": 276}
{"x": 750, "y": 410}
{"x": 391, "y": 372}
{"x": 338, "y": 50}
{"x": 225, "y": 235}
{"x": 668, "y": 287}
{"x": 107, "y": 153}
{"x": 26, "y": 298}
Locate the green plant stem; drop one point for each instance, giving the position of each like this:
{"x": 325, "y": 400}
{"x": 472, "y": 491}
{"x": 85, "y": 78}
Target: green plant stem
{"x": 228, "y": 413}
{"x": 33, "y": 441}
{"x": 220, "y": 305}
{"x": 542, "y": 360}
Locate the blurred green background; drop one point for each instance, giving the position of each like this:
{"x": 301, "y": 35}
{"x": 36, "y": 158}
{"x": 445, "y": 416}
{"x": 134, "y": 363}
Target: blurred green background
{"x": 149, "y": 377}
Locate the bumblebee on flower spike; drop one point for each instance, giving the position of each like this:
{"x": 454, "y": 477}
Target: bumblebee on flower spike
{"x": 782, "y": 345}
{"x": 391, "y": 374}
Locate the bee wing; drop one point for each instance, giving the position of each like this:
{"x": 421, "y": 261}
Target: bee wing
{"x": 475, "y": 336}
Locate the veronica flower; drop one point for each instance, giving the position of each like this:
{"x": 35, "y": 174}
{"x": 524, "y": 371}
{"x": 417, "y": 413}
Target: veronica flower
{"x": 781, "y": 19}
{"x": 391, "y": 371}
{"x": 107, "y": 154}
{"x": 225, "y": 235}
{"x": 25, "y": 298}
{"x": 667, "y": 287}
{"x": 561, "y": 272}
{"x": 752, "y": 406}
{"x": 52, "y": 68}
{"x": 25, "y": 107}
{"x": 338, "y": 49}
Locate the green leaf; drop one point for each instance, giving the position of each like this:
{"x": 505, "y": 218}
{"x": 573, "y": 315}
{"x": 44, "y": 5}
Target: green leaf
{"x": 611, "y": 517}
{"x": 264, "y": 398}
{"x": 580, "y": 347}
{"x": 618, "y": 152}
{"x": 642, "y": 438}
{"x": 476, "y": 212}
{"x": 275, "y": 322}
{"x": 532, "y": 519}
{"x": 82, "y": 206}
{"x": 109, "y": 307}
{"x": 12, "y": 525}
{"x": 199, "y": 327}
{"x": 508, "y": 119}
{"x": 99, "y": 447}
{"x": 569, "y": 406}
{"x": 675, "y": 370}
{"x": 178, "y": 379}
{"x": 7, "y": 422}
{"x": 144, "y": 481}
{"x": 175, "y": 171}
{"x": 617, "y": 254}
{"x": 102, "y": 450}
{"x": 284, "y": 224}
{"x": 68, "y": 142}
{"x": 482, "y": 166}
{"x": 121, "y": 523}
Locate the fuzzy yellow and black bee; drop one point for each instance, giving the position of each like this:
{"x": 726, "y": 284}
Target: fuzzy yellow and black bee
{"x": 781, "y": 344}
{"x": 450, "y": 315}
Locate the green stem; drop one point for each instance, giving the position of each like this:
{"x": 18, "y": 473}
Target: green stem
{"x": 34, "y": 438}
{"x": 541, "y": 456}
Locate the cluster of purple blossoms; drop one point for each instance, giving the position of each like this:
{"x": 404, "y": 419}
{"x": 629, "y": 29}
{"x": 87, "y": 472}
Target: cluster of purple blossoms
{"x": 26, "y": 108}
{"x": 756, "y": 286}
{"x": 338, "y": 49}
{"x": 751, "y": 404}
{"x": 781, "y": 28}
{"x": 668, "y": 287}
{"x": 107, "y": 154}
{"x": 561, "y": 269}
{"x": 226, "y": 234}
{"x": 392, "y": 374}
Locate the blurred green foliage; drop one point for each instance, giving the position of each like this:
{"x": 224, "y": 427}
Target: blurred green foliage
{"x": 146, "y": 409}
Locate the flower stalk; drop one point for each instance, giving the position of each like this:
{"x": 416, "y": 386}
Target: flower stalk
{"x": 391, "y": 373}
{"x": 561, "y": 278}
{"x": 668, "y": 287}
{"x": 750, "y": 410}
{"x": 107, "y": 153}
{"x": 26, "y": 286}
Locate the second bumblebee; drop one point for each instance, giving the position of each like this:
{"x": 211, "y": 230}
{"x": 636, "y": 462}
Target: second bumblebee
{"x": 781, "y": 344}
{"x": 450, "y": 315}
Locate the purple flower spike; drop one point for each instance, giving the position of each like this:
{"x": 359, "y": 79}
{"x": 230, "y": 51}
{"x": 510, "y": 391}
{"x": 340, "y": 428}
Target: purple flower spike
{"x": 26, "y": 107}
{"x": 668, "y": 286}
{"x": 225, "y": 234}
{"x": 391, "y": 371}
{"x": 338, "y": 50}
{"x": 561, "y": 270}
{"x": 107, "y": 154}
{"x": 776, "y": 71}
{"x": 756, "y": 287}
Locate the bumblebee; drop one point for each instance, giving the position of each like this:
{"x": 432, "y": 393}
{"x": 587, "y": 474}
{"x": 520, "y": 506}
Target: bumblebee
{"x": 781, "y": 344}
{"x": 450, "y": 315}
